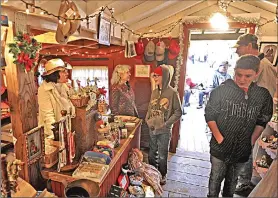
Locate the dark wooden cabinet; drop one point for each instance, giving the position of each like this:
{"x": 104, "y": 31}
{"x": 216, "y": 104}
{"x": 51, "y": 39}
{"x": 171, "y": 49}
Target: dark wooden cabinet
{"x": 85, "y": 134}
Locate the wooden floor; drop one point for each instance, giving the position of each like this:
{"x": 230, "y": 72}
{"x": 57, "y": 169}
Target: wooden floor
{"x": 188, "y": 174}
{"x": 194, "y": 134}
{"x": 189, "y": 167}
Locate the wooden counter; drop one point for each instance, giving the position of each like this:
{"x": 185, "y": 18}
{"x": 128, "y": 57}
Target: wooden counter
{"x": 120, "y": 158}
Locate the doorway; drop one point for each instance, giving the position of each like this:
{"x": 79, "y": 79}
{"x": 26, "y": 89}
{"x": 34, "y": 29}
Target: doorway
{"x": 207, "y": 49}
{"x": 204, "y": 57}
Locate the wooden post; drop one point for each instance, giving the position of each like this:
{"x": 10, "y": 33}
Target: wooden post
{"x": 22, "y": 99}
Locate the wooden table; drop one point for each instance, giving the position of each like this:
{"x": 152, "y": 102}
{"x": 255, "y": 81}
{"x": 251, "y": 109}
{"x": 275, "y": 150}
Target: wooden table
{"x": 120, "y": 158}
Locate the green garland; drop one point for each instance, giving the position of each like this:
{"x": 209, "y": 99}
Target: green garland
{"x": 24, "y": 51}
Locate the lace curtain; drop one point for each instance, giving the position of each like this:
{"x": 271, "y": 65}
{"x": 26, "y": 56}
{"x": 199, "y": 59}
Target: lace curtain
{"x": 82, "y": 73}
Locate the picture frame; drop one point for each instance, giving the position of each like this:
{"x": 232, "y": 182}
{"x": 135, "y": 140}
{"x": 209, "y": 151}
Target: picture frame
{"x": 35, "y": 145}
{"x": 142, "y": 71}
{"x": 104, "y": 30}
{"x": 4, "y": 20}
{"x": 270, "y": 50}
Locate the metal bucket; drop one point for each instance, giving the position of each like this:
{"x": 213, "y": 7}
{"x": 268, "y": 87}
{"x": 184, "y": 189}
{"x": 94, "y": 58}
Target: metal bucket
{"x": 82, "y": 188}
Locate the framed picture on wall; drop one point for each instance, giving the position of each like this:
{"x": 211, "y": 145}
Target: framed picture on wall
{"x": 270, "y": 50}
{"x": 35, "y": 144}
{"x": 104, "y": 30}
{"x": 142, "y": 71}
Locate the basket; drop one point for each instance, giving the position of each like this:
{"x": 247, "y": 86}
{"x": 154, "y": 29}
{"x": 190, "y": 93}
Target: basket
{"x": 80, "y": 102}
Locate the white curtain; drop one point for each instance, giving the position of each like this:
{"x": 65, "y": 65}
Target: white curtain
{"x": 82, "y": 73}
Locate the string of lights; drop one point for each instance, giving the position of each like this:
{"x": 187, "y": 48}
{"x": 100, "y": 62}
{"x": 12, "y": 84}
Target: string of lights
{"x": 153, "y": 34}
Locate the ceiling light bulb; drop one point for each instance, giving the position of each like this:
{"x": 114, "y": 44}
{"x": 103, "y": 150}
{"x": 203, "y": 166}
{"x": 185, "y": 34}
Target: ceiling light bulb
{"x": 219, "y": 21}
{"x": 42, "y": 12}
{"x": 27, "y": 11}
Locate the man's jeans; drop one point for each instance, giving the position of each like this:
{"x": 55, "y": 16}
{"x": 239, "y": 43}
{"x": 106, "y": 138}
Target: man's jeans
{"x": 201, "y": 97}
{"x": 220, "y": 171}
{"x": 187, "y": 96}
{"x": 245, "y": 174}
{"x": 158, "y": 154}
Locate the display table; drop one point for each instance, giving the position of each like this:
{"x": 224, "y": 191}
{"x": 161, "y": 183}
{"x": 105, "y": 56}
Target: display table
{"x": 110, "y": 178}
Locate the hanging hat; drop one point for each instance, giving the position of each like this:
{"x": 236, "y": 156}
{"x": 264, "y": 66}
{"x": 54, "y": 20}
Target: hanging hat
{"x": 160, "y": 50}
{"x": 149, "y": 51}
{"x": 139, "y": 47}
{"x": 174, "y": 49}
{"x": 53, "y": 65}
{"x": 158, "y": 71}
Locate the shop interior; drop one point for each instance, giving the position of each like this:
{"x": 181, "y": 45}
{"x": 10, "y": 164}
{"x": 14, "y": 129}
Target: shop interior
{"x": 96, "y": 153}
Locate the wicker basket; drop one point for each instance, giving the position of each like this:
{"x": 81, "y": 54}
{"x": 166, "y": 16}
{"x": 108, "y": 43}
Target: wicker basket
{"x": 80, "y": 102}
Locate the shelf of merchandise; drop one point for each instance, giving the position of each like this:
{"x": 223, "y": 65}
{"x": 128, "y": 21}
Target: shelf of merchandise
{"x": 271, "y": 152}
{"x": 262, "y": 171}
{"x": 274, "y": 125}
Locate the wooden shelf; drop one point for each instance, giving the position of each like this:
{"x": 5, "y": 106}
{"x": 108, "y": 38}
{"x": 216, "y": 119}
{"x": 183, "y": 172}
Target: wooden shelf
{"x": 273, "y": 125}
{"x": 260, "y": 170}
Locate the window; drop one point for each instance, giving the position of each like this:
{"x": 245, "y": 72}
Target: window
{"x": 82, "y": 73}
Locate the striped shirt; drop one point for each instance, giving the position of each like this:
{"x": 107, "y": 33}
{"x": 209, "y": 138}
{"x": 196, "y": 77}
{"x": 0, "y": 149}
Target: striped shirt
{"x": 236, "y": 114}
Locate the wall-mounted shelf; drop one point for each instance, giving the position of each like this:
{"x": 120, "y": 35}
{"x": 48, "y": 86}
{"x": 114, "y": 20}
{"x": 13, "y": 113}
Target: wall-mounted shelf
{"x": 271, "y": 152}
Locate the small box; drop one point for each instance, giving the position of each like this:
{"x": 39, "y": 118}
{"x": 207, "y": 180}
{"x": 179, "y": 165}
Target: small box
{"x": 51, "y": 156}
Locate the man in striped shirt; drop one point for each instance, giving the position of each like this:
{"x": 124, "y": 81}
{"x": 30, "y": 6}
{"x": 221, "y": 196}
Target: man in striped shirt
{"x": 237, "y": 112}
{"x": 248, "y": 44}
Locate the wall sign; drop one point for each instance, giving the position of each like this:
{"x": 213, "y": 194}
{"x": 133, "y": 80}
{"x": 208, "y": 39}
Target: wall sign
{"x": 142, "y": 71}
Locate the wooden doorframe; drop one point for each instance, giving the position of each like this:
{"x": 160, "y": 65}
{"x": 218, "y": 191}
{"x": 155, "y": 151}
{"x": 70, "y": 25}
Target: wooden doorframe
{"x": 186, "y": 32}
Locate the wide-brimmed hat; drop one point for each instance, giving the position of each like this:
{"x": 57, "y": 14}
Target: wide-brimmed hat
{"x": 53, "y": 65}
{"x": 245, "y": 39}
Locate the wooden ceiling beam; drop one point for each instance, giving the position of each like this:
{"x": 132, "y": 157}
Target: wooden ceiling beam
{"x": 172, "y": 19}
{"x": 135, "y": 14}
{"x": 265, "y": 5}
{"x": 163, "y": 14}
{"x": 253, "y": 9}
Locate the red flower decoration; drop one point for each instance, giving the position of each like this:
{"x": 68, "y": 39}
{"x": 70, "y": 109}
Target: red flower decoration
{"x": 24, "y": 50}
{"x": 102, "y": 91}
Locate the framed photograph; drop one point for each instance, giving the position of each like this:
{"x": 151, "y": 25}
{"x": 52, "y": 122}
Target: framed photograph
{"x": 142, "y": 71}
{"x": 104, "y": 30}
{"x": 4, "y": 20}
{"x": 270, "y": 50}
{"x": 35, "y": 144}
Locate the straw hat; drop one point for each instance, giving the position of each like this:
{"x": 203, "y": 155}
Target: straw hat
{"x": 54, "y": 65}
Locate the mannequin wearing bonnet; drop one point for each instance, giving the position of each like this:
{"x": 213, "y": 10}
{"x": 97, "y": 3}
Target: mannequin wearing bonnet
{"x": 53, "y": 95}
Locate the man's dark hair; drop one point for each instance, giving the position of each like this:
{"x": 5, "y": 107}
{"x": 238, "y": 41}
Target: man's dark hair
{"x": 52, "y": 77}
{"x": 248, "y": 61}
